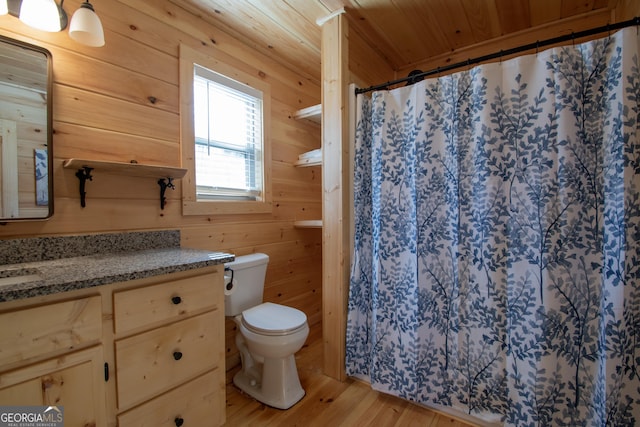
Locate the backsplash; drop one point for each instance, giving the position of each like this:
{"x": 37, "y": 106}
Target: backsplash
{"x": 14, "y": 251}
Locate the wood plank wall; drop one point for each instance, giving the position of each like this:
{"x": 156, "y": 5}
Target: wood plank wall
{"x": 120, "y": 102}
{"x": 625, "y": 10}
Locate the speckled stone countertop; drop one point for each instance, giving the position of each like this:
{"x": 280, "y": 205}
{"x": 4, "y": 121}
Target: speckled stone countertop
{"x": 58, "y": 264}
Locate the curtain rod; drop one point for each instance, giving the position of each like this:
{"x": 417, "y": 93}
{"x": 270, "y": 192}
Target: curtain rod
{"x": 418, "y": 75}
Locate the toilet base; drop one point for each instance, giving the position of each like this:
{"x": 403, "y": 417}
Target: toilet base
{"x": 279, "y": 386}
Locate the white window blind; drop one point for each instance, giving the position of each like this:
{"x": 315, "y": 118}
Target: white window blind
{"x": 228, "y": 138}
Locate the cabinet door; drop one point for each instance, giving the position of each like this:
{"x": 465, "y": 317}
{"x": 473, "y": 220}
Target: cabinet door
{"x": 74, "y": 381}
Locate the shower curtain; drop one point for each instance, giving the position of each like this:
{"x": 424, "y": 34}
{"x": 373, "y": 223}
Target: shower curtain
{"x": 496, "y": 264}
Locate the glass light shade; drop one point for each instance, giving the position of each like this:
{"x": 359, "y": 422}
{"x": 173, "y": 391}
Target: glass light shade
{"x": 86, "y": 27}
{"x": 41, "y": 14}
{"x": 4, "y": 9}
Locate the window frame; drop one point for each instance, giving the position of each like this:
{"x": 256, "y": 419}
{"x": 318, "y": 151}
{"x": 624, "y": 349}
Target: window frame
{"x": 190, "y": 203}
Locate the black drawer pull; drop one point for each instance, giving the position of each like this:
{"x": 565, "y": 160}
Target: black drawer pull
{"x": 179, "y": 421}
{"x": 177, "y": 355}
{"x": 176, "y": 300}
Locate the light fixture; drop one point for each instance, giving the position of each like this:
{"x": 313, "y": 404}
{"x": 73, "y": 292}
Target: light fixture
{"x": 43, "y": 15}
{"x": 48, "y": 15}
{"x": 86, "y": 27}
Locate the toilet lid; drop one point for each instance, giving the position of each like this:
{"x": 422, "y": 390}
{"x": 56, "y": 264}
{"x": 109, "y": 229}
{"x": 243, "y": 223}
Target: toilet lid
{"x": 269, "y": 319}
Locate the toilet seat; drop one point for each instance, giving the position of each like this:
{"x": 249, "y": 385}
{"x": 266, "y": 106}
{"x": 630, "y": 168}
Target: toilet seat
{"x": 273, "y": 319}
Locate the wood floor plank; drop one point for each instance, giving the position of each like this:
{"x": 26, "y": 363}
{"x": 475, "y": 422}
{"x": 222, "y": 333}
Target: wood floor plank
{"x": 329, "y": 402}
{"x": 415, "y": 416}
{"x": 446, "y": 421}
{"x": 237, "y": 403}
{"x": 315, "y": 402}
{"x": 383, "y": 411}
{"x": 359, "y": 409}
{"x": 345, "y": 403}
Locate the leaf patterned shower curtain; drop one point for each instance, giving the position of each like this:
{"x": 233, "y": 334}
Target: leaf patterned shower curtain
{"x": 496, "y": 266}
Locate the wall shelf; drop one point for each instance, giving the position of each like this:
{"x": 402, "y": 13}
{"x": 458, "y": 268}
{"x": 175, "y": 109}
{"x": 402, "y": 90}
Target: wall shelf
{"x": 123, "y": 168}
{"x": 312, "y": 158}
{"x": 311, "y": 161}
{"x": 164, "y": 174}
{"x": 312, "y": 223}
{"x": 313, "y": 113}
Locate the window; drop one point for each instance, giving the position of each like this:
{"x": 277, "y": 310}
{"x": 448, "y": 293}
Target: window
{"x": 228, "y": 137}
{"x": 225, "y": 145}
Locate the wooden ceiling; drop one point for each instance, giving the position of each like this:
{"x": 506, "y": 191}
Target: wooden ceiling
{"x": 403, "y": 32}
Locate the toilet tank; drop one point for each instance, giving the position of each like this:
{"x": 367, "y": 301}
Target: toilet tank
{"x": 248, "y": 272}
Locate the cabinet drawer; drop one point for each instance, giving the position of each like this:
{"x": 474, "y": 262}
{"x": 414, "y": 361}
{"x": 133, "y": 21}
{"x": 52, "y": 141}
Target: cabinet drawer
{"x": 158, "y": 360}
{"x": 36, "y": 332}
{"x": 200, "y": 402}
{"x": 137, "y": 308}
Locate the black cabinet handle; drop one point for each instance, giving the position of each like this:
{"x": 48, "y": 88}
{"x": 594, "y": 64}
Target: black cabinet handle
{"x": 176, "y": 300}
{"x": 179, "y": 421}
{"x": 177, "y": 355}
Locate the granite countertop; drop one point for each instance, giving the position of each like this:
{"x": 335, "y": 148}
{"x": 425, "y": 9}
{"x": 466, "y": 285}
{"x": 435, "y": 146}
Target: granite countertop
{"x": 108, "y": 265}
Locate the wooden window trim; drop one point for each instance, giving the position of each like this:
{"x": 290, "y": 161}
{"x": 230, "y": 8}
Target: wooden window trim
{"x": 190, "y": 204}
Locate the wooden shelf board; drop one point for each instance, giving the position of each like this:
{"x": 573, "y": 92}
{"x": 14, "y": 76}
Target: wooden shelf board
{"x": 313, "y": 113}
{"x": 313, "y": 223}
{"x": 122, "y": 168}
{"x": 314, "y": 161}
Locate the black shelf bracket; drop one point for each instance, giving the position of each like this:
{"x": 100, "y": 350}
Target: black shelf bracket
{"x": 83, "y": 175}
{"x": 163, "y": 187}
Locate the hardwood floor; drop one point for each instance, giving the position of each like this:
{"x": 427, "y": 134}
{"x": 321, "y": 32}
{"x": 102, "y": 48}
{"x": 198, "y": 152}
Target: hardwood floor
{"x": 329, "y": 402}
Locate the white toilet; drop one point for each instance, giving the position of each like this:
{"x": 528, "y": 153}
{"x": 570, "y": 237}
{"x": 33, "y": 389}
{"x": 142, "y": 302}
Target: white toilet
{"x": 269, "y": 335}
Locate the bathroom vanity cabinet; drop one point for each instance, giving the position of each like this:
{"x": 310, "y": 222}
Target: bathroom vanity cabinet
{"x": 51, "y": 354}
{"x": 144, "y": 352}
{"x": 169, "y": 352}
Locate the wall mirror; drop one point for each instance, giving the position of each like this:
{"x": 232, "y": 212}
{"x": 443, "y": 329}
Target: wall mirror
{"x": 26, "y": 157}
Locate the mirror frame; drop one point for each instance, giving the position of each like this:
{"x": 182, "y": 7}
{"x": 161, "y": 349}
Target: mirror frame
{"x": 49, "y": 121}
